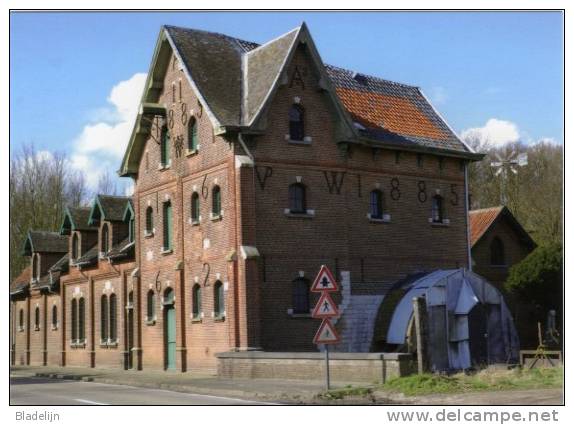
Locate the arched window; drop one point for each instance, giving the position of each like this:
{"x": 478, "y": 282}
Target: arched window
{"x": 104, "y": 318}
{"x": 150, "y": 306}
{"x": 300, "y": 296}
{"x": 82, "y": 320}
{"x": 113, "y": 318}
{"x": 196, "y": 302}
{"x": 195, "y": 207}
{"x": 74, "y": 327}
{"x": 437, "y": 209}
{"x": 54, "y": 317}
{"x": 168, "y": 296}
{"x": 149, "y": 220}
{"x": 216, "y": 201}
{"x": 296, "y": 123}
{"x": 37, "y": 318}
{"x": 497, "y": 252}
{"x": 75, "y": 247}
{"x": 167, "y": 226}
{"x": 297, "y": 198}
{"x": 105, "y": 242}
{"x": 21, "y": 319}
{"x": 218, "y": 300}
{"x": 164, "y": 146}
{"x": 192, "y": 136}
{"x": 376, "y": 204}
{"x": 35, "y": 268}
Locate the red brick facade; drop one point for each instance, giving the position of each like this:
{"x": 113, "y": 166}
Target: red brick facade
{"x": 255, "y": 248}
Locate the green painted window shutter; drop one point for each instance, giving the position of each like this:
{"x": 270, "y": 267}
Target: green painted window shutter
{"x": 167, "y": 226}
{"x": 104, "y": 318}
{"x": 193, "y": 138}
{"x": 216, "y": 201}
{"x": 164, "y": 146}
{"x": 219, "y": 303}
{"x": 196, "y": 302}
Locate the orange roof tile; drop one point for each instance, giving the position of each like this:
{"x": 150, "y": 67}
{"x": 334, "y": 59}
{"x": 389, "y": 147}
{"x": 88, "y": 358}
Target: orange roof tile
{"x": 480, "y": 221}
{"x": 397, "y": 114}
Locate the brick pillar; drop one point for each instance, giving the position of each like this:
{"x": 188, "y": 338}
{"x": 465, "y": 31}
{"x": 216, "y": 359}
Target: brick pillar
{"x": 28, "y": 331}
{"x": 124, "y": 320}
{"x": 137, "y": 350}
{"x": 45, "y": 332}
{"x": 247, "y": 278}
{"x": 91, "y": 324}
{"x": 63, "y": 324}
{"x": 180, "y": 321}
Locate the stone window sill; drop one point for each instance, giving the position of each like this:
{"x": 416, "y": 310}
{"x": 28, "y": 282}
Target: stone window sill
{"x": 299, "y": 142}
{"x": 309, "y": 213}
{"x": 20, "y": 328}
{"x": 196, "y": 320}
{"x": 194, "y": 222}
{"x": 148, "y": 234}
{"x": 219, "y": 318}
{"x": 298, "y": 315}
{"x": 166, "y": 251}
{"x": 164, "y": 167}
{"x": 191, "y": 152}
{"x": 36, "y": 328}
{"x": 150, "y": 322}
{"x": 386, "y": 218}
{"x": 78, "y": 344}
{"x": 444, "y": 223}
{"x": 54, "y": 327}
{"x": 216, "y": 217}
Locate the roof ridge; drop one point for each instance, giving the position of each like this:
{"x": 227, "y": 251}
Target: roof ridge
{"x": 230, "y": 37}
{"x": 499, "y": 207}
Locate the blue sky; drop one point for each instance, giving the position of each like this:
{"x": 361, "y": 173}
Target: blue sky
{"x": 499, "y": 74}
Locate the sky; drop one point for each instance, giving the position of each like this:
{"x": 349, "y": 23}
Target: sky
{"x": 76, "y": 78}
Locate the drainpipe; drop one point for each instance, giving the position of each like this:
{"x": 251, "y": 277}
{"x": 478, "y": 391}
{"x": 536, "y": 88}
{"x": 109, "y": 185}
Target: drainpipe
{"x": 466, "y": 210}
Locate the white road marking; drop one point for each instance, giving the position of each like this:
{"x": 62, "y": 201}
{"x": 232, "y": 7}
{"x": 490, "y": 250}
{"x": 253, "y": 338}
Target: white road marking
{"x": 81, "y": 400}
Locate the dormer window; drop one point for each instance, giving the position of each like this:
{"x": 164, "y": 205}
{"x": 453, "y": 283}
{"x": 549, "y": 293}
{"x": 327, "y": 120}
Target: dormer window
{"x": 296, "y": 123}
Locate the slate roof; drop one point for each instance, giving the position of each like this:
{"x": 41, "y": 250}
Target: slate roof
{"x": 113, "y": 206}
{"x": 62, "y": 264}
{"x": 123, "y": 250}
{"x": 481, "y": 220}
{"x": 47, "y": 242}
{"x": 22, "y": 281}
{"x": 89, "y": 258}
{"x": 80, "y": 217}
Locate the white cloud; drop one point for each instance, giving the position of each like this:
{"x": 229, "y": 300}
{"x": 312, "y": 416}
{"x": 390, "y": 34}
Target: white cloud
{"x": 494, "y": 133}
{"x": 101, "y": 145}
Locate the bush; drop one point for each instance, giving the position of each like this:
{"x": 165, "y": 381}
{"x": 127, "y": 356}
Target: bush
{"x": 538, "y": 278}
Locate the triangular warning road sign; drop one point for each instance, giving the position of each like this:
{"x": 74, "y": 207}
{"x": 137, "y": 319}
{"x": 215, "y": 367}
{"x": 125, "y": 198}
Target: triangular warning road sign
{"x": 325, "y": 307}
{"x": 326, "y": 333}
{"x": 325, "y": 281}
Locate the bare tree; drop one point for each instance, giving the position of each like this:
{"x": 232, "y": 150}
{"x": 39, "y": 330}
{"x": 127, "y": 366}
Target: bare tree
{"x": 41, "y": 185}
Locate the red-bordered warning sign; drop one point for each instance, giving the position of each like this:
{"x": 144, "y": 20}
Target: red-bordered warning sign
{"x": 326, "y": 334}
{"x": 325, "y": 281}
{"x": 325, "y": 307}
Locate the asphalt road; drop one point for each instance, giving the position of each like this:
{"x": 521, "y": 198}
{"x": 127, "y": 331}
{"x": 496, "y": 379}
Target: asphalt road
{"x": 43, "y": 391}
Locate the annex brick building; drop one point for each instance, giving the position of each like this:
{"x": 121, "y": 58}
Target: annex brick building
{"x": 253, "y": 166}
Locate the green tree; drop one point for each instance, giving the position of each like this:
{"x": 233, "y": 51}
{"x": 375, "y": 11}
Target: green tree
{"x": 538, "y": 279}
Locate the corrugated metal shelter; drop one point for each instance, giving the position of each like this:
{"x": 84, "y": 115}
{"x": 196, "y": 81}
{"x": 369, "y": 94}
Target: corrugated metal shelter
{"x": 467, "y": 320}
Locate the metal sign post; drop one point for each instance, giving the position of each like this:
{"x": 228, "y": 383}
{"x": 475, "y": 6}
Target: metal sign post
{"x": 325, "y": 309}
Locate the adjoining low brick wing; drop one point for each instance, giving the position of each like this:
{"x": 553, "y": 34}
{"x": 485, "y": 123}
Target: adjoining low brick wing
{"x": 481, "y": 220}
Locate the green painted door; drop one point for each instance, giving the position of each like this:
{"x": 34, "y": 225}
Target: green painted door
{"x": 170, "y": 336}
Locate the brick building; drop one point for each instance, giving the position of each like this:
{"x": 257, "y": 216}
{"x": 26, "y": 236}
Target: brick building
{"x": 498, "y": 241}
{"x": 253, "y": 165}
